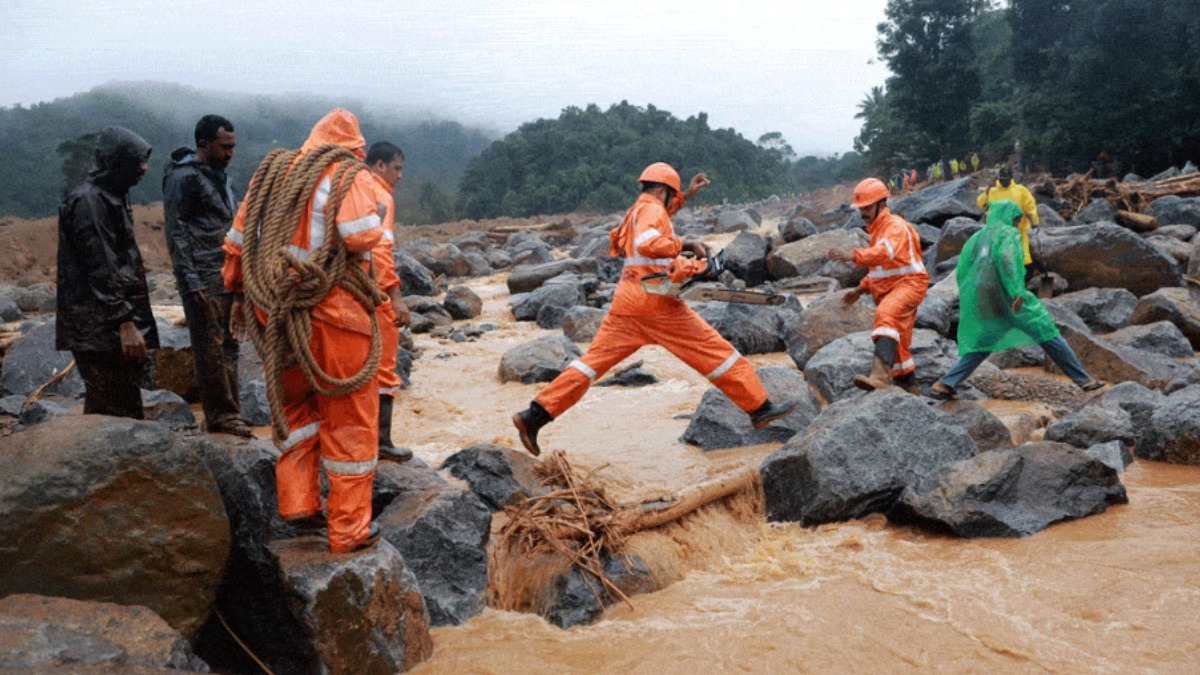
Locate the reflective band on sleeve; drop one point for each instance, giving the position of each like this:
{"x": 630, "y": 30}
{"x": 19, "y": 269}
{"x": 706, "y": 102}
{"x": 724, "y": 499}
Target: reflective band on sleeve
{"x": 879, "y": 273}
{"x": 649, "y": 235}
{"x": 637, "y": 260}
{"x": 358, "y": 225}
{"x": 388, "y": 236}
{"x": 299, "y": 252}
{"x": 389, "y": 390}
{"x": 234, "y": 237}
{"x": 316, "y": 220}
{"x": 349, "y": 468}
{"x": 901, "y": 367}
{"x": 583, "y": 368}
{"x": 725, "y": 366}
{"x": 886, "y": 332}
{"x": 891, "y": 251}
{"x": 299, "y": 436}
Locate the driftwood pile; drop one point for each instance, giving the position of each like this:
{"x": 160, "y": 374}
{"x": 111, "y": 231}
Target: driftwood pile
{"x": 1129, "y": 199}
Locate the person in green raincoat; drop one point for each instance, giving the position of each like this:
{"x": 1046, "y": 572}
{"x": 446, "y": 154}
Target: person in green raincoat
{"x": 996, "y": 311}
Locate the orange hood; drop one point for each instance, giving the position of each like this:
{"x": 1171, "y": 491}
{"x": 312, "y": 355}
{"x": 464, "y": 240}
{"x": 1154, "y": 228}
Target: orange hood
{"x": 340, "y": 126}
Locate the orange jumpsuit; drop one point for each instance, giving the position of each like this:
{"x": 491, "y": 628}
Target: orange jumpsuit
{"x": 338, "y": 434}
{"x": 897, "y": 282}
{"x": 648, "y": 243}
{"x": 385, "y": 273}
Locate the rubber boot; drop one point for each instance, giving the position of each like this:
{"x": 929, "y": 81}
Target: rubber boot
{"x": 880, "y": 377}
{"x": 387, "y": 451}
{"x": 528, "y": 422}
{"x": 769, "y": 412}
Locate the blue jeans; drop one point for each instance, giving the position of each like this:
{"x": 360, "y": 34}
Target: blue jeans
{"x": 1057, "y": 349}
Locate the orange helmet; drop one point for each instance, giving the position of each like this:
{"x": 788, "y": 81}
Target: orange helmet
{"x": 661, "y": 172}
{"x": 868, "y": 192}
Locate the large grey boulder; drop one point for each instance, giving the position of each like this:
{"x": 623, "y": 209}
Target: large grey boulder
{"x": 578, "y": 598}
{"x": 9, "y": 311}
{"x": 1178, "y": 250}
{"x": 44, "y": 634}
{"x": 858, "y": 456}
{"x": 440, "y": 259}
{"x": 499, "y": 475}
{"x": 1134, "y": 399}
{"x": 415, "y": 278}
{"x": 580, "y": 323}
{"x": 735, "y": 221}
{"x": 988, "y": 432}
{"x": 796, "y": 227}
{"x": 32, "y": 360}
{"x": 526, "y": 278}
{"x": 1179, "y": 232}
{"x": 751, "y": 329}
{"x": 1175, "y": 210}
{"x": 539, "y": 360}
{"x": 1161, "y": 337}
{"x": 358, "y": 614}
{"x": 1180, "y": 306}
{"x": 169, "y": 408}
{"x": 1102, "y": 309}
{"x": 106, "y": 508}
{"x": 936, "y": 314}
{"x": 746, "y": 257}
{"x": 832, "y": 369}
{"x": 1175, "y": 426}
{"x": 955, "y": 234}
{"x": 527, "y": 306}
{"x": 462, "y": 303}
{"x": 1049, "y": 218}
{"x": 1097, "y": 210}
{"x": 174, "y": 364}
{"x": 255, "y": 408}
{"x": 807, "y": 257}
{"x": 1114, "y": 363}
{"x": 37, "y": 298}
{"x": 1011, "y": 493}
{"x": 1106, "y": 255}
{"x": 718, "y": 423}
{"x": 824, "y": 320}
{"x": 940, "y": 203}
{"x": 1094, "y": 424}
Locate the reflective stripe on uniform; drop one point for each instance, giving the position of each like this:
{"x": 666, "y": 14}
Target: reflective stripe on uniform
{"x": 637, "y": 260}
{"x": 316, "y": 220}
{"x": 725, "y": 366}
{"x": 300, "y": 253}
{"x": 389, "y": 390}
{"x": 880, "y": 273}
{"x": 891, "y": 251}
{"x": 583, "y": 368}
{"x": 234, "y": 236}
{"x": 388, "y": 236}
{"x": 358, "y": 225}
{"x": 886, "y": 332}
{"x": 649, "y": 235}
{"x": 349, "y": 468}
{"x": 900, "y": 367}
{"x": 300, "y": 435}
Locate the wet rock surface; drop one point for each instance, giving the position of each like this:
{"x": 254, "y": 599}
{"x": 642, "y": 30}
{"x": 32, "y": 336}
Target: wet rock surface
{"x": 32, "y": 361}
{"x": 499, "y": 475}
{"x": 718, "y": 423}
{"x": 988, "y": 432}
{"x": 539, "y": 360}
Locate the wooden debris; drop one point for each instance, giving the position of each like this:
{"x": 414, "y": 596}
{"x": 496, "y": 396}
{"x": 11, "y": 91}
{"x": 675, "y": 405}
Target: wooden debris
{"x": 1139, "y": 222}
{"x": 1132, "y": 198}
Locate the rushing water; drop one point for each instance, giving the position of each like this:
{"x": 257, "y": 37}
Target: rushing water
{"x": 1117, "y": 592}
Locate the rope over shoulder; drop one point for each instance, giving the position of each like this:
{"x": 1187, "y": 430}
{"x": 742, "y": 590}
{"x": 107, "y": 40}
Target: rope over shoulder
{"x": 284, "y": 288}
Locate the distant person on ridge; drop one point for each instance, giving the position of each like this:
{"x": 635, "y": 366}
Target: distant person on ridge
{"x": 897, "y": 281}
{"x": 1008, "y": 189}
{"x": 198, "y": 208}
{"x": 647, "y": 242}
{"x": 386, "y": 162}
{"x": 103, "y": 313}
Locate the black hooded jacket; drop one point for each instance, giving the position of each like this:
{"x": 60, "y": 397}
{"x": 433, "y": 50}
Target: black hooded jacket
{"x": 198, "y": 208}
{"x": 101, "y": 278}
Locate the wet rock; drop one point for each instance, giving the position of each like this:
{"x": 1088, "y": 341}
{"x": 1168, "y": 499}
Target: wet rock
{"x": 1180, "y": 232}
{"x": 928, "y": 234}
{"x": 37, "y": 299}
{"x": 734, "y": 221}
{"x": 550, "y": 317}
{"x": 633, "y": 375}
{"x": 169, "y": 408}
{"x": 955, "y": 234}
{"x": 1180, "y": 306}
{"x": 42, "y": 411}
{"x": 174, "y": 365}
{"x": 938, "y": 204}
{"x": 578, "y": 598}
{"x": 1093, "y": 424}
{"x": 858, "y": 456}
{"x": 530, "y": 253}
{"x": 498, "y": 259}
{"x": 832, "y": 369}
{"x": 718, "y": 423}
{"x": 751, "y": 329}
{"x": 472, "y": 241}
{"x": 795, "y": 228}
{"x": 526, "y": 278}
{"x": 256, "y": 410}
{"x": 499, "y": 475}
{"x": 32, "y": 360}
{"x": 415, "y": 278}
{"x": 1134, "y": 399}
{"x": 935, "y": 314}
{"x": 1169, "y": 172}
{"x": 746, "y": 257}
{"x": 1011, "y": 493}
{"x": 824, "y": 320}
{"x": 1175, "y": 436}
{"x": 477, "y": 264}
{"x": 1049, "y": 218}
{"x": 440, "y": 259}
{"x": 988, "y": 432}
{"x": 96, "y": 507}
{"x": 442, "y": 532}
{"x": 11, "y": 405}
{"x": 1114, "y": 363}
{"x": 45, "y": 634}
{"x": 1113, "y": 454}
{"x": 1006, "y": 386}
{"x": 1178, "y": 250}
{"x": 806, "y": 257}
{"x": 1102, "y": 309}
{"x": 539, "y": 360}
{"x": 1097, "y": 210}
{"x": 1106, "y": 255}
{"x": 1161, "y": 337}
{"x": 1175, "y": 210}
{"x": 580, "y": 323}
{"x": 361, "y": 613}
{"x": 462, "y": 303}
{"x": 9, "y": 311}
{"x": 525, "y": 307}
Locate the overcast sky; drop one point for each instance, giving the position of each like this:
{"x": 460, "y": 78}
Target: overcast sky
{"x": 799, "y": 67}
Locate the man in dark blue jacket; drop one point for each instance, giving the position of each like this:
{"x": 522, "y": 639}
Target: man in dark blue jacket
{"x": 104, "y": 316}
{"x": 198, "y": 208}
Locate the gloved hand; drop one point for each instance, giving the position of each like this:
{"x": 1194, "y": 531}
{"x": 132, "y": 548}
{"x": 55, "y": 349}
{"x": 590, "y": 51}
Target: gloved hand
{"x": 682, "y": 269}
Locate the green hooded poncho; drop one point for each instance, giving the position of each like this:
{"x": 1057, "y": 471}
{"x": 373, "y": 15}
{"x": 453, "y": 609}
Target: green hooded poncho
{"x": 990, "y": 274}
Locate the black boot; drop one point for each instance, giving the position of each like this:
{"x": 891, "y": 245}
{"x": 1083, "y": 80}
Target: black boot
{"x": 769, "y": 412}
{"x": 387, "y": 451}
{"x": 528, "y": 422}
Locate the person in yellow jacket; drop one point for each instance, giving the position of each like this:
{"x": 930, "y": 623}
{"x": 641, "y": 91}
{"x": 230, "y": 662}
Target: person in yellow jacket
{"x": 1008, "y": 189}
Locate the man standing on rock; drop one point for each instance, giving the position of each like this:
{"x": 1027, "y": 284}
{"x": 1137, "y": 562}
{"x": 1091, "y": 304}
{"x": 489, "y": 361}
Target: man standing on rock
{"x": 297, "y": 250}
{"x": 896, "y": 280}
{"x": 1007, "y": 189}
{"x": 647, "y": 242}
{"x": 386, "y": 162}
{"x": 104, "y": 315}
{"x": 198, "y": 208}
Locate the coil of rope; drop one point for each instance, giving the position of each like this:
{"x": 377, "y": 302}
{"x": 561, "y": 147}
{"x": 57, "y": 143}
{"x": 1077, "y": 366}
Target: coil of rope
{"x": 284, "y": 288}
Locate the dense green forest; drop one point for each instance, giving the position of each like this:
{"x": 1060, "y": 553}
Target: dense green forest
{"x": 45, "y": 140}
{"x": 1059, "y": 81}
{"x": 588, "y": 159}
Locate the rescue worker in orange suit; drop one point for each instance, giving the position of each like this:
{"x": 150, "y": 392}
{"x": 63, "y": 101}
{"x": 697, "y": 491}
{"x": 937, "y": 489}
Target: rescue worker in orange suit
{"x": 896, "y": 280}
{"x": 337, "y": 434}
{"x": 386, "y": 162}
{"x": 647, "y": 242}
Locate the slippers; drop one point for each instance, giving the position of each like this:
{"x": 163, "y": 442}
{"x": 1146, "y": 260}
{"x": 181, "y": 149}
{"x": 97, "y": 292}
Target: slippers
{"x": 942, "y": 395}
{"x": 1091, "y": 385}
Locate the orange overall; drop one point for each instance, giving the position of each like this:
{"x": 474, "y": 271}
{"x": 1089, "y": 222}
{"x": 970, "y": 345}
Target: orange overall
{"x": 385, "y": 274}
{"x": 648, "y": 243}
{"x": 338, "y": 434}
{"x": 896, "y": 280}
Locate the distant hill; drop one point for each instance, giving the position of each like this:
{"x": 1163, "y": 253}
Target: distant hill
{"x": 31, "y": 178}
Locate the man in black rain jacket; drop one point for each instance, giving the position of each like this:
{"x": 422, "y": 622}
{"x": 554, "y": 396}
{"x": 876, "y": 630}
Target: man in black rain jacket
{"x": 198, "y": 208}
{"x": 104, "y": 316}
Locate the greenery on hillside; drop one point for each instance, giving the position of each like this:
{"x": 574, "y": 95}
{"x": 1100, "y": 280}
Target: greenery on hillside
{"x": 43, "y": 141}
{"x": 1067, "y": 80}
